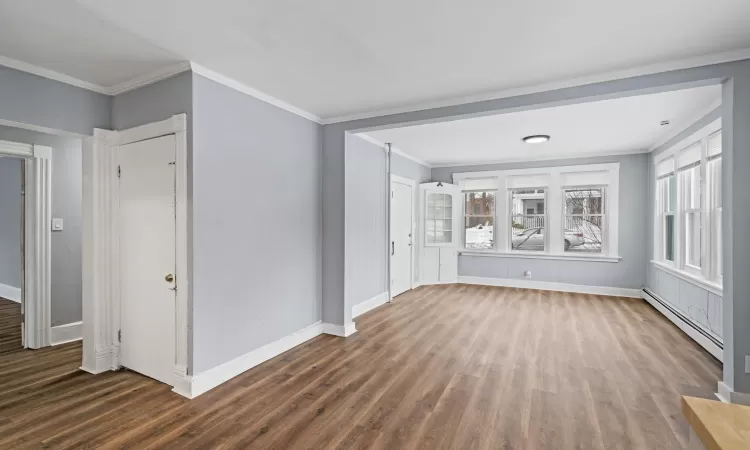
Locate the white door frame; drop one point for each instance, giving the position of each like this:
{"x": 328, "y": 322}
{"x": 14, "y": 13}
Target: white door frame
{"x": 412, "y": 185}
{"x": 37, "y": 240}
{"x": 101, "y": 290}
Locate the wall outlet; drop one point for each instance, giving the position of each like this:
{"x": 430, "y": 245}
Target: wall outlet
{"x": 747, "y": 363}
{"x": 527, "y": 274}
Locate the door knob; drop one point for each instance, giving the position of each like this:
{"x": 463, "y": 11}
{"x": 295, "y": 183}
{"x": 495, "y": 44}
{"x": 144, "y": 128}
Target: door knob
{"x": 169, "y": 278}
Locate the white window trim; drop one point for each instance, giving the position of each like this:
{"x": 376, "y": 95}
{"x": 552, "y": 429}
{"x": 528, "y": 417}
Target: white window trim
{"x": 699, "y": 275}
{"x": 554, "y": 210}
{"x": 462, "y": 225}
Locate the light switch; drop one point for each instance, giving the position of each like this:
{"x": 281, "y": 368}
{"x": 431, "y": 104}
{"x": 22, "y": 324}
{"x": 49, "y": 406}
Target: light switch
{"x": 57, "y": 224}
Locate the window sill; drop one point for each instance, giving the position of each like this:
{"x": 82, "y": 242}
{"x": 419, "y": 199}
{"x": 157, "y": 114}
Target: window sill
{"x": 541, "y": 255}
{"x": 701, "y": 282}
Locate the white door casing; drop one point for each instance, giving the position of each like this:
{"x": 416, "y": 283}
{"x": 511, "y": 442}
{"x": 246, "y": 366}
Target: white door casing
{"x": 147, "y": 257}
{"x": 101, "y": 271}
{"x": 401, "y": 235}
{"x": 37, "y": 240}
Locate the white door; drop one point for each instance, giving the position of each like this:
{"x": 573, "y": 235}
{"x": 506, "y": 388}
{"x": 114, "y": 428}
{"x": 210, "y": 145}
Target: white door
{"x": 401, "y": 237}
{"x": 147, "y": 257}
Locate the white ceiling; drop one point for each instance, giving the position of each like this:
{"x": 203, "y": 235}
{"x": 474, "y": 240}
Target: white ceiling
{"x": 619, "y": 126}
{"x": 341, "y": 57}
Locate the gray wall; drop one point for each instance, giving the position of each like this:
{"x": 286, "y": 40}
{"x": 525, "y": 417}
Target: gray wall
{"x": 154, "y": 102}
{"x": 629, "y": 272}
{"x": 34, "y": 100}
{"x": 67, "y": 179}
{"x": 366, "y": 192}
{"x": 10, "y": 222}
{"x": 256, "y": 221}
{"x": 365, "y": 220}
{"x": 685, "y": 296}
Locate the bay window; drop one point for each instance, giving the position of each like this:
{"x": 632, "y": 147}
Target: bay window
{"x": 584, "y": 219}
{"x": 527, "y": 219}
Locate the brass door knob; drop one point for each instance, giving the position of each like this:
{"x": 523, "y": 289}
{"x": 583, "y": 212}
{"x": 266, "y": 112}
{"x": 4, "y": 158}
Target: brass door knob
{"x": 169, "y": 278}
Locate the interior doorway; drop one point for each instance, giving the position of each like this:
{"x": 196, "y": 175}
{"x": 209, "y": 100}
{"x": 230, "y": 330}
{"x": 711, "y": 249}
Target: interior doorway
{"x": 147, "y": 256}
{"x": 402, "y": 235}
{"x": 11, "y": 253}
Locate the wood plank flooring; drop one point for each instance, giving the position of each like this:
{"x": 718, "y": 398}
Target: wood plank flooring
{"x": 10, "y": 325}
{"x": 451, "y": 366}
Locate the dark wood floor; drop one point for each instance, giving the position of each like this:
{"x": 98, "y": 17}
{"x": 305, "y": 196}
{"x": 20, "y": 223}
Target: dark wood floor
{"x": 10, "y": 325}
{"x": 450, "y": 366}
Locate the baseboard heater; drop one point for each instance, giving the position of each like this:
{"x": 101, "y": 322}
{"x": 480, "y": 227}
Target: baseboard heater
{"x": 686, "y": 320}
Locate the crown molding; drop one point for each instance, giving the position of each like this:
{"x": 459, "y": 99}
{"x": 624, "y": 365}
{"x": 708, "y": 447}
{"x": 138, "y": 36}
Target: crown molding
{"x": 705, "y": 60}
{"x": 541, "y": 158}
{"x": 149, "y": 78}
{"x": 395, "y": 150}
{"x": 238, "y": 86}
{"x": 51, "y": 74}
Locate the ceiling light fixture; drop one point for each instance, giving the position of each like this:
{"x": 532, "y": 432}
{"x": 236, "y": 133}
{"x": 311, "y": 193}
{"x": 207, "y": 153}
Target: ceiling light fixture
{"x": 536, "y": 139}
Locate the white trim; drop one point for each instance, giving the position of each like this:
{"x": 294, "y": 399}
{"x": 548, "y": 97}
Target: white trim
{"x": 674, "y": 150}
{"x": 45, "y": 130}
{"x": 193, "y": 386}
{"x": 339, "y": 330}
{"x": 699, "y": 338}
{"x": 715, "y": 58}
{"x": 10, "y": 293}
{"x": 537, "y": 171}
{"x": 50, "y": 74}
{"x": 101, "y": 290}
{"x": 368, "y": 305}
{"x": 395, "y": 150}
{"x": 690, "y": 278}
{"x": 550, "y": 286}
{"x": 728, "y": 395}
{"x": 149, "y": 78}
{"x": 528, "y": 255}
{"x": 238, "y": 86}
{"x": 70, "y": 332}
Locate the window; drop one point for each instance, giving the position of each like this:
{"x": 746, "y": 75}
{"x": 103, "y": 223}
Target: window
{"x": 563, "y": 212}
{"x": 584, "y": 229}
{"x": 689, "y": 207}
{"x": 527, "y": 223}
{"x": 667, "y": 188}
{"x": 439, "y": 219}
{"x": 689, "y": 163}
{"x": 479, "y": 219}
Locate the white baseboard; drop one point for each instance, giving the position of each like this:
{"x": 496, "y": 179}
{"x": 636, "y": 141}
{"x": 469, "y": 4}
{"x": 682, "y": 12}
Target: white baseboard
{"x": 728, "y": 395}
{"x": 195, "y": 385}
{"x": 339, "y": 330}
{"x": 702, "y": 340}
{"x": 367, "y": 305}
{"x": 105, "y": 361}
{"x": 10, "y": 292}
{"x": 70, "y": 332}
{"x": 549, "y": 286}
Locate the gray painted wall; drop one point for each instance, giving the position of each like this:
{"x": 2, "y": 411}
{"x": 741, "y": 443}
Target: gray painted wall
{"x": 256, "y": 221}
{"x": 154, "y": 102}
{"x": 67, "y": 192}
{"x": 629, "y": 272}
{"x": 366, "y": 192}
{"x": 10, "y": 222}
{"x": 34, "y": 100}
{"x": 735, "y": 109}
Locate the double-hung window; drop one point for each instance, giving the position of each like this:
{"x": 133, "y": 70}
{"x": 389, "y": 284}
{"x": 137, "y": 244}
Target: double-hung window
{"x": 527, "y": 219}
{"x": 585, "y": 224}
{"x": 689, "y": 169}
{"x": 689, "y": 207}
{"x": 479, "y": 220}
{"x": 667, "y": 206}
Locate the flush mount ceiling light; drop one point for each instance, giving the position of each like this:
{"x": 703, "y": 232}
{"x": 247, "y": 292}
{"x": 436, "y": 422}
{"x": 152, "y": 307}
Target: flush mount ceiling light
{"x": 536, "y": 139}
